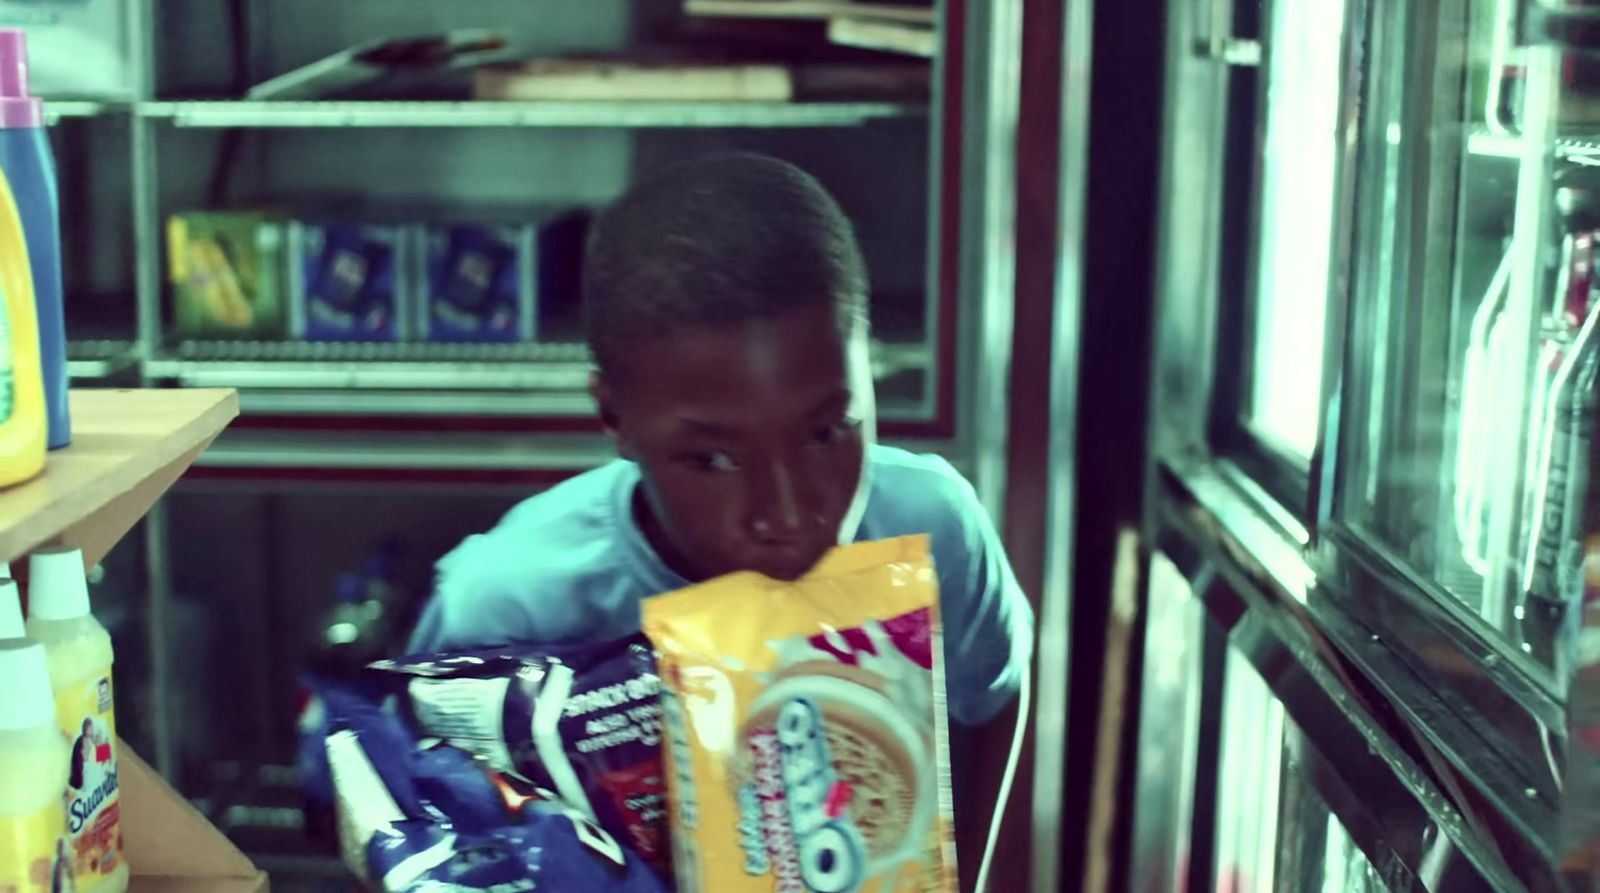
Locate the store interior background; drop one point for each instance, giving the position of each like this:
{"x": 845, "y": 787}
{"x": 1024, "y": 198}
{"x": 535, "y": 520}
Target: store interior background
{"x": 1074, "y": 219}
{"x": 225, "y": 595}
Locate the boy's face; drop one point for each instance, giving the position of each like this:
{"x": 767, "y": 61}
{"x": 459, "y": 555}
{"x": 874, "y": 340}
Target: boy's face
{"x": 750, "y": 437}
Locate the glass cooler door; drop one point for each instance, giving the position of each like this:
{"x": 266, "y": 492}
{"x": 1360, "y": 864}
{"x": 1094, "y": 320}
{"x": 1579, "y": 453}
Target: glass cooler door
{"x": 1475, "y": 339}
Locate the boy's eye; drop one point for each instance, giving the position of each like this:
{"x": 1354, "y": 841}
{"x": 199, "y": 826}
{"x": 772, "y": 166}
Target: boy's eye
{"x": 835, "y": 433}
{"x": 712, "y": 460}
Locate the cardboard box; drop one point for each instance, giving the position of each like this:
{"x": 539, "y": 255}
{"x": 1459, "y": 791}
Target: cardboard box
{"x": 349, "y": 282}
{"x": 226, "y": 270}
{"x": 477, "y": 282}
{"x": 170, "y": 846}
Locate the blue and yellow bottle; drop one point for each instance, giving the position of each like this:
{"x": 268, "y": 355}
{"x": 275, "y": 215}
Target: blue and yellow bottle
{"x": 22, "y": 414}
{"x": 26, "y": 160}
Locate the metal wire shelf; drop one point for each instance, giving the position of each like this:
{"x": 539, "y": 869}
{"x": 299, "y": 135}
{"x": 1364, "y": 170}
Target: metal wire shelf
{"x": 1487, "y": 144}
{"x": 57, "y": 109}
{"x": 402, "y": 352}
{"x": 241, "y": 113}
{"x": 313, "y": 366}
{"x": 99, "y": 358}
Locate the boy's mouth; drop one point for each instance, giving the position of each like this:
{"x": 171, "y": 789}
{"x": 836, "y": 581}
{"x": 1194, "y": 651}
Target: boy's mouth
{"x": 785, "y": 562}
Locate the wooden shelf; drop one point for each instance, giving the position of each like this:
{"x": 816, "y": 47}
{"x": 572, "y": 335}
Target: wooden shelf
{"x": 128, "y": 447}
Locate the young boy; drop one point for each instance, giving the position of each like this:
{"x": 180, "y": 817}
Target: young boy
{"x": 726, "y": 312}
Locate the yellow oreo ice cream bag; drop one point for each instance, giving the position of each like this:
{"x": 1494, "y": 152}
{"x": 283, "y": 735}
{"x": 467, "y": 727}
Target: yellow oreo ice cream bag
{"x": 805, "y": 727}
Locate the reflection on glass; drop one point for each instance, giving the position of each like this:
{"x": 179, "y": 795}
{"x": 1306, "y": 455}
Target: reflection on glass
{"x": 1169, "y": 721}
{"x": 1316, "y": 853}
{"x": 1477, "y": 324}
{"x": 1345, "y": 868}
{"x": 1247, "y": 788}
{"x": 1297, "y": 183}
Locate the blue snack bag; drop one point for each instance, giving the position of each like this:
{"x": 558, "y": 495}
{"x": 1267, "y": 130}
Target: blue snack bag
{"x": 583, "y": 722}
{"x": 418, "y": 816}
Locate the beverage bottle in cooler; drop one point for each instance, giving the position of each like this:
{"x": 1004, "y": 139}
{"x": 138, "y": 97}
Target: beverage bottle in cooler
{"x": 365, "y": 616}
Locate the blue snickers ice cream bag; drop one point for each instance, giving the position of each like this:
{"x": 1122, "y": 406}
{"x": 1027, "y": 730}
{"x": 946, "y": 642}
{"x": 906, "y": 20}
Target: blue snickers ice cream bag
{"x": 421, "y": 816}
{"x": 581, "y": 724}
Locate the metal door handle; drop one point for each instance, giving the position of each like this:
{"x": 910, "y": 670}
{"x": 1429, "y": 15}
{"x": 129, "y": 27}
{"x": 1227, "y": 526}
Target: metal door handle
{"x": 1213, "y": 38}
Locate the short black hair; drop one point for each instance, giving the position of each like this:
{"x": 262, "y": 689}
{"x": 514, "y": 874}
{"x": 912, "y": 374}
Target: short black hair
{"x": 719, "y": 240}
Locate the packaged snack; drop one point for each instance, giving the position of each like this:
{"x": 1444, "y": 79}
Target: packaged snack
{"x": 805, "y": 722}
{"x": 479, "y": 283}
{"x": 418, "y": 815}
{"x": 226, "y": 270}
{"x": 580, "y": 722}
{"x": 347, "y": 282}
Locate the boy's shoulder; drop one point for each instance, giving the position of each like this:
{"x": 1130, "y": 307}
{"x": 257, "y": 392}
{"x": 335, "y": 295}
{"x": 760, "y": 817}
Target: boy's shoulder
{"x": 916, "y": 493}
{"x": 547, "y": 562}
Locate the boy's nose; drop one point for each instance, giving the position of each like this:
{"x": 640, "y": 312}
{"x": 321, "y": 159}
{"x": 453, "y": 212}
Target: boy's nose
{"x": 781, "y": 509}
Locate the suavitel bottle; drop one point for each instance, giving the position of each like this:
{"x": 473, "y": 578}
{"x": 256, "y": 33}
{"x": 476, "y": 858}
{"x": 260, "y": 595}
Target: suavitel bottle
{"x": 79, "y": 652}
{"x": 34, "y": 849}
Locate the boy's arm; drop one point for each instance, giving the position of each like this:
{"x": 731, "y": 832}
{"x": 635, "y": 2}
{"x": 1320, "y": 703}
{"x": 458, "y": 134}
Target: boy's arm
{"x": 988, "y": 621}
{"x": 988, "y": 624}
{"x": 428, "y": 636}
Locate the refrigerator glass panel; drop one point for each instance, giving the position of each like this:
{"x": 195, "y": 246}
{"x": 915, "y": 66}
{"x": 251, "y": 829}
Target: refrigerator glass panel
{"x": 1316, "y": 851}
{"x": 1466, "y": 435}
{"x": 1345, "y": 869}
{"x": 1248, "y": 788}
{"x": 1169, "y": 724}
{"x": 1303, "y": 59}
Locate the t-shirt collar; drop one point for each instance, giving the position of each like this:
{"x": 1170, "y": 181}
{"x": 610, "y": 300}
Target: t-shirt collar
{"x": 641, "y": 557}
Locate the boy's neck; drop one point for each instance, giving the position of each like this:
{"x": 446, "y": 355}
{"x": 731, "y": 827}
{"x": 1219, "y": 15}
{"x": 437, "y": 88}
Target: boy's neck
{"x": 655, "y": 536}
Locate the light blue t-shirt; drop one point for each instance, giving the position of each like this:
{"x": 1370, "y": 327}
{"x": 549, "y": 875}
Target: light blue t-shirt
{"x": 570, "y": 565}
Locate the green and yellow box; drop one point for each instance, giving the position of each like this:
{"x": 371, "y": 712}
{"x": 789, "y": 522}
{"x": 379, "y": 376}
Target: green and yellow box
{"x": 227, "y": 273}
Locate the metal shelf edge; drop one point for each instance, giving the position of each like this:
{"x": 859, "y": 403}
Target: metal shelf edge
{"x": 243, "y": 113}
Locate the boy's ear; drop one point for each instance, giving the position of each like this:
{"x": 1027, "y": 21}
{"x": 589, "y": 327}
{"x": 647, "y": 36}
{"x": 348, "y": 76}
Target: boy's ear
{"x": 605, "y": 402}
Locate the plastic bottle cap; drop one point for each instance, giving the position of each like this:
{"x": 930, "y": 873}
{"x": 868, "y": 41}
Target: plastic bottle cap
{"x": 57, "y": 588}
{"x": 29, "y": 700}
{"x": 18, "y": 107}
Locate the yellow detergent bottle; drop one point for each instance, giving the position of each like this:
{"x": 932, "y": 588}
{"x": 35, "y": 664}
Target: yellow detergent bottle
{"x": 22, "y": 418}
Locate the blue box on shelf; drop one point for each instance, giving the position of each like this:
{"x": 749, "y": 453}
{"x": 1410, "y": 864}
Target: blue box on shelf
{"x": 347, "y": 282}
{"x": 479, "y": 283}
